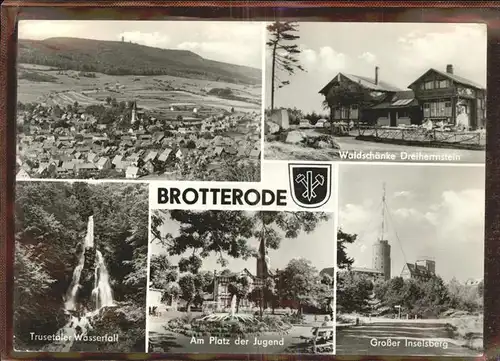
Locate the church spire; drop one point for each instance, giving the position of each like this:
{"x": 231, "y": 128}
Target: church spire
{"x": 134, "y": 110}
{"x": 262, "y": 269}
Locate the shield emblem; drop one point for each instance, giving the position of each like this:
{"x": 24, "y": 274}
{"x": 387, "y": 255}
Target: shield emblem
{"x": 310, "y": 184}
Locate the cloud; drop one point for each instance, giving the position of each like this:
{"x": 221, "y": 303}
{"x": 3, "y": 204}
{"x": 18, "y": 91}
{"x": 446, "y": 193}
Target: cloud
{"x": 451, "y": 44}
{"x": 411, "y": 213}
{"x": 450, "y": 226}
{"x": 42, "y": 29}
{"x": 154, "y": 39}
{"x": 233, "y": 32}
{"x": 368, "y": 57}
{"x": 237, "y": 53}
{"x": 324, "y": 59}
{"x": 459, "y": 218}
{"x": 403, "y": 194}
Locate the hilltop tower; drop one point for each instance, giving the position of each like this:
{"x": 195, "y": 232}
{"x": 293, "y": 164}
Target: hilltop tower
{"x": 382, "y": 249}
{"x": 382, "y": 258}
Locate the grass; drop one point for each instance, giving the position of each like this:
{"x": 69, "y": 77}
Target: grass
{"x": 467, "y": 328}
{"x": 191, "y": 90}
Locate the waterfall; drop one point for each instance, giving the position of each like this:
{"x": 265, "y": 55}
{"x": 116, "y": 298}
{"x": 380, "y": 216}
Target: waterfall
{"x": 89, "y": 237}
{"x": 102, "y": 288}
{"x": 102, "y": 294}
{"x": 69, "y": 305}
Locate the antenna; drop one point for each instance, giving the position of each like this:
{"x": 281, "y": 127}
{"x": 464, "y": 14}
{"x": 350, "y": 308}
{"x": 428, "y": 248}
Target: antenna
{"x": 383, "y": 213}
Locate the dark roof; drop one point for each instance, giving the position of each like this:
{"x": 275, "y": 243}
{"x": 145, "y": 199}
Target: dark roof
{"x": 455, "y": 78}
{"x": 366, "y": 270}
{"x": 417, "y": 270}
{"x": 365, "y": 82}
{"x": 402, "y": 99}
{"x": 329, "y": 271}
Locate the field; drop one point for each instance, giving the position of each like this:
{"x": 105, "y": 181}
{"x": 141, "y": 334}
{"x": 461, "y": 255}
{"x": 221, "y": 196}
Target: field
{"x": 150, "y": 92}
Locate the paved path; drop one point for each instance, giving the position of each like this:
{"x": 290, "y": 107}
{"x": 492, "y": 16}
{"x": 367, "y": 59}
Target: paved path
{"x": 361, "y": 340}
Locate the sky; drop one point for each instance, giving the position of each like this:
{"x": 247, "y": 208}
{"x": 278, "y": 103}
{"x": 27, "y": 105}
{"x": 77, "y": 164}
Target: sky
{"x": 318, "y": 247}
{"x": 435, "y": 211}
{"x": 402, "y": 51}
{"x": 232, "y": 42}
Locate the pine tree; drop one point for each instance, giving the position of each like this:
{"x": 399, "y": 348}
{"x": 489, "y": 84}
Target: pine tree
{"x": 284, "y": 53}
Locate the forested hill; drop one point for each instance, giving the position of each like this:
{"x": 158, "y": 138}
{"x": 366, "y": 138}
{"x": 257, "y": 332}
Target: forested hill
{"x": 124, "y": 58}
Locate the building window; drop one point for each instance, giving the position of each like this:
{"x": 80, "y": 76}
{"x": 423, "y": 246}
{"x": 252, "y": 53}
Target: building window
{"x": 428, "y": 85}
{"x": 402, "y": 114}
{"x": 336, "y": 113}
{"x": 437, "y": 109}
{"x": 443, "y": 84}
{"x": 354, "y": 112}
{"x": 427, "y": 110}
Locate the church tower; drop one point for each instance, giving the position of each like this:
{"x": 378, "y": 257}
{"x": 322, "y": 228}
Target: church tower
{"x": 262, "y": 260}
{"x": 133, "y": 119}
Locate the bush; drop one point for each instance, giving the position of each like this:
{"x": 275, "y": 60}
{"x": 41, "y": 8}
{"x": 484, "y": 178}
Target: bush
{"x": 228, "y": 328}
{"x": 37, "y": 77}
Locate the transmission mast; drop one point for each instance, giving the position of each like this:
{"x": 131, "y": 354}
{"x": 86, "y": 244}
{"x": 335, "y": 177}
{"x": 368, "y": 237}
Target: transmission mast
{"x": 382, "y": 228}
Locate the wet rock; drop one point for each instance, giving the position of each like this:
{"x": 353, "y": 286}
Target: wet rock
{"x": 272, "y": 128}
{"x": 323, "y": 144}
{"x": 295, "y": 137}
{"x": 322, "y": 141}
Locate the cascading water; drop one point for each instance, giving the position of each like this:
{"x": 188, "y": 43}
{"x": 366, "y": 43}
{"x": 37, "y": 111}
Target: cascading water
{"x": 75, "y": 281}
{"x": 101, "y": 295}
{"x": 102, "y": 289}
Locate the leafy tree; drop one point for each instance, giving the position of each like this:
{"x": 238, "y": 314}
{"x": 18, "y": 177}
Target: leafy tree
{"x": 231, "y": 233}
{"x": 284, "y": 53}
{"x": 480, "y": 289}
{"x": 344, "y": 239}
{"x": 323, "y": 293}
{"x": 300, "y": 279}
{"x": 162, "y": 272}
{"x": 353, "y": 292}
{"x": 313, "y": 118}
{"x": 188, "y": 289}
{"x": 265, "y": 294}
{"x": 194, "y": 286}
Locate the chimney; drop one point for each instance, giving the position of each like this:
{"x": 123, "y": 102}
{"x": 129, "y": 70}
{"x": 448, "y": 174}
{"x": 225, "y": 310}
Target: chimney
{"x": 376, "y": 75}
{"x": 449, "y": 68}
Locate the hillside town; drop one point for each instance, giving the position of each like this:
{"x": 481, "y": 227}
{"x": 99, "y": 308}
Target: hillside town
{"x": 119, "y": 140}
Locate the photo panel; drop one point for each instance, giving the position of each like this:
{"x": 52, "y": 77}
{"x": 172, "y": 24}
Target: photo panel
{"x": 241, "y": 282}
{"x": 395, "y": 92}
{"x": 163, "y": 100}
{"x": 80, "y": 267}
{"x": 410, "y": 277}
